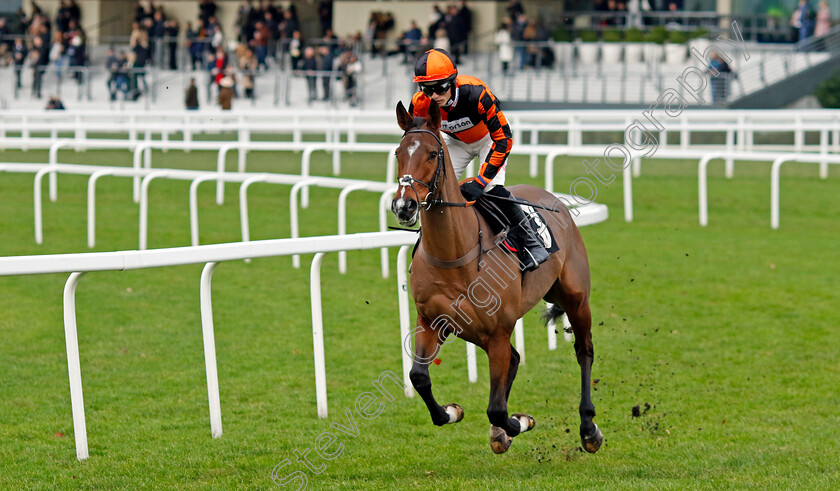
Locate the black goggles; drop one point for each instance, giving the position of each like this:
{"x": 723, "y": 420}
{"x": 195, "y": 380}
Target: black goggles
{"x": 437, "y": 88}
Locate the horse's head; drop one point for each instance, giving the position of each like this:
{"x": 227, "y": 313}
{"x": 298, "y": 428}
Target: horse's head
{"x": 421, "y": 163}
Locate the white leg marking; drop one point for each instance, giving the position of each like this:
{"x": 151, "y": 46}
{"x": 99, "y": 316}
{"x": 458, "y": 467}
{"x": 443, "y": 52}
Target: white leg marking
{"x": 453, "y": 414}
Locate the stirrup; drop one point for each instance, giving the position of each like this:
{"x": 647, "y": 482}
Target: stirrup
{"x": 532, "y": 257}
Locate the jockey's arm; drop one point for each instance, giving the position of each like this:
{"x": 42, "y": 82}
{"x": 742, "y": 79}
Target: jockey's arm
{"x": 499, "y": 129}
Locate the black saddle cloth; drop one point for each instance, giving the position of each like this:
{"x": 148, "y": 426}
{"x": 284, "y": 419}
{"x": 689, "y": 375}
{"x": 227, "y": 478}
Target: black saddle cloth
{"x": 494, "y": 212}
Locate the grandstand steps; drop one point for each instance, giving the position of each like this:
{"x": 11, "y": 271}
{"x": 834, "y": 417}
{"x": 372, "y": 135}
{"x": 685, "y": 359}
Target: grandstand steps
{"x": 385, "y": 81}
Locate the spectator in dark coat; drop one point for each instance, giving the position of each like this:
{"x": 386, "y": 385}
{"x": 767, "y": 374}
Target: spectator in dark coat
{"x": 326, "y": 66}
{"x": 457, "y": 31}
{"x": 325, "y": 14}
{"x": 55, "y": 104}
{"x": 191, "y": 100}
{"x": 40, "y": 59}
{"x": 207, "y": 9}
{"x": 156, "y": 32}
{"x": 309, "y": 65}
{"x": 195, "y": 47}
{"x": 172, "y": 31}
{"x": 19, "y": 53}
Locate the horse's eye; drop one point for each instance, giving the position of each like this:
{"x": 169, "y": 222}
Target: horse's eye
{"x": 433, "y": 155}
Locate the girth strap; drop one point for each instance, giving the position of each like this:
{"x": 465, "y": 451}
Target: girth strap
{"x": 455, "y": 263}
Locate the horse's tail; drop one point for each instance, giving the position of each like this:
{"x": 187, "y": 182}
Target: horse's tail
{"x": 552, "y": 313}
{"x": 550, "y": 316}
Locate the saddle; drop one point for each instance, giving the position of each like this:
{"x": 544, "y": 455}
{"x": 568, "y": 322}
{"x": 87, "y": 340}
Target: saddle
{"x": 500, "y": 226}
{"x": 499, "y": 222}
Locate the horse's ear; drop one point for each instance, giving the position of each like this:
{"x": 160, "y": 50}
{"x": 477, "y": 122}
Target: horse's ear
{"x": 403, "y": 118}
{"x": 434, "y": 115}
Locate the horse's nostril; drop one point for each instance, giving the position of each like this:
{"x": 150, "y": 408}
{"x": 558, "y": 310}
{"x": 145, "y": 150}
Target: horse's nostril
{"x": 411, "y": 206}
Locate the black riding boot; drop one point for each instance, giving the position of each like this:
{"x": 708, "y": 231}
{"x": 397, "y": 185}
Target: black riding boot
{"x": 530, "y": 250}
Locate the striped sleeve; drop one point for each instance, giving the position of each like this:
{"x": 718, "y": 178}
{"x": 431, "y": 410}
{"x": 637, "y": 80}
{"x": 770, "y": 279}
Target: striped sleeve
{"x": 499, "y": 129}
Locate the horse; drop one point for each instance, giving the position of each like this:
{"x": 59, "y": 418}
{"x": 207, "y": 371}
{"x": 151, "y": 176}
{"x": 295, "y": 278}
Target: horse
{"x": 465, "y": 285}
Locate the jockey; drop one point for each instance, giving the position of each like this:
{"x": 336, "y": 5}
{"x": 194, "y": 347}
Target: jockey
{"x": 473, "y": 125}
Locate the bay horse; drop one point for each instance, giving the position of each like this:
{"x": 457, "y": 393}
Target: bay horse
{"x": 463, "y": 284}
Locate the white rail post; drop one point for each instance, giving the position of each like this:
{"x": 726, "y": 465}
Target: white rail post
{"x": 551, "y": 328}
{"x": 549, "y": 168}
{"x": 244, "y": 140}
{"x": 53, "y": 161}
{"x": 74, "y": 369}
{"x": 702, "y": 195}
{"x": 186, "y": 131}
{"x": 824, "y": 151}
{"x": 91, "y": 211}
{"x": 220, "y": 169}
{"x": 775, "y": 176}
{"x": 318, "y": 335}
{"x": 402, "y": 296}
{"x": 38, "y": 210}
{"x": 293, "y": 215}
{"x": 628, "y": 192}
{"x": 24, "y": 131}
{"x": 519, "y": 336}
{"x": 391, "y": 168}
{"x": 207, "y": 333}
{"x": 137, "y": 165}
{"x": 383, "y": 227}
{"x": 242, "y": 154}
{"x": 635, "y": 137}
{"x": 730, "y": 160}
{"x": 194, "y": 206}
{"x": 132, "y": 129}
{"x": 305, "y": 165}
{"x": 144, "y": 207}
{"x": 243, "y": 205}
{"x": 79, "y": 134}
{"x": 798, "y": 135}
{"x": 567, "y": 326}
{"x": 472, "y": 366}
{"x": 342, "y": 221}
{"x": 336, "y": 160}
{"x": 534, "y": 162}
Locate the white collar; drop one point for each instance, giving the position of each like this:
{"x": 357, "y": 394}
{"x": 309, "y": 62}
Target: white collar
{"x": 453, "y": 101}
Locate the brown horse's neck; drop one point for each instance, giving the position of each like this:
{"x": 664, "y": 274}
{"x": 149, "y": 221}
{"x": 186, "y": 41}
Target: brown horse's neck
{"x": 449, "y": 232}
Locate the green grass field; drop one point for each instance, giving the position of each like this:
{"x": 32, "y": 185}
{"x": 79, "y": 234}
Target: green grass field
{"x": 728, "y": 333}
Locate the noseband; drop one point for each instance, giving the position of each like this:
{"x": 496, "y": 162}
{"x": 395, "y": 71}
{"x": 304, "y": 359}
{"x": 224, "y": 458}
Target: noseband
{"x": 408, "y": 181}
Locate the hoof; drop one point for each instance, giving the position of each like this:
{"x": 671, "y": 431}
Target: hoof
{"x": 455, "y": 412}
{"x": 526, "y": 422}
{"x": 499, "y": 440}
{"x": 592, "y": 442}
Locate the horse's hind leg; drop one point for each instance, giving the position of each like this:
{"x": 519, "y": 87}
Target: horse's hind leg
{"x": 575, "y": 300}
{"x": 426, "y": 347}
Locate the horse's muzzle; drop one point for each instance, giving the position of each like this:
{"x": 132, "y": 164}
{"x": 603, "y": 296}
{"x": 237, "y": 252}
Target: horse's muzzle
{"x": 405, "y": 210}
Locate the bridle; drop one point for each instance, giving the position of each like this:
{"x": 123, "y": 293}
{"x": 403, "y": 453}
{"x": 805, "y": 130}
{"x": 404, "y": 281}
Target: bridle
{"x": 408, "y": 180}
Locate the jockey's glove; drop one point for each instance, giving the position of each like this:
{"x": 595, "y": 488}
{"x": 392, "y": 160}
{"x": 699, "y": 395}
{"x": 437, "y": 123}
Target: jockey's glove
{"x": 471, "y": 190}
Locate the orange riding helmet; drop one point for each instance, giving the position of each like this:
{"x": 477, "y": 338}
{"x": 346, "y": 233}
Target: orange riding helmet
{"x": 435, "y": 65}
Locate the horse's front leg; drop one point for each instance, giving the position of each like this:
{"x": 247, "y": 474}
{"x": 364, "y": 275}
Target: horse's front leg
{"x": 504, "y": 362}
{"x": 426, "y": 347}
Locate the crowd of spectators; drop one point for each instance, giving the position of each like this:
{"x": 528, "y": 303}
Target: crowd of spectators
{"x": 807, "y": 22}
{"x": 38, "y": 42}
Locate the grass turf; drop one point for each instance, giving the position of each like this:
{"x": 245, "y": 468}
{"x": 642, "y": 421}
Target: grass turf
{"x": 727, "y": 333}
